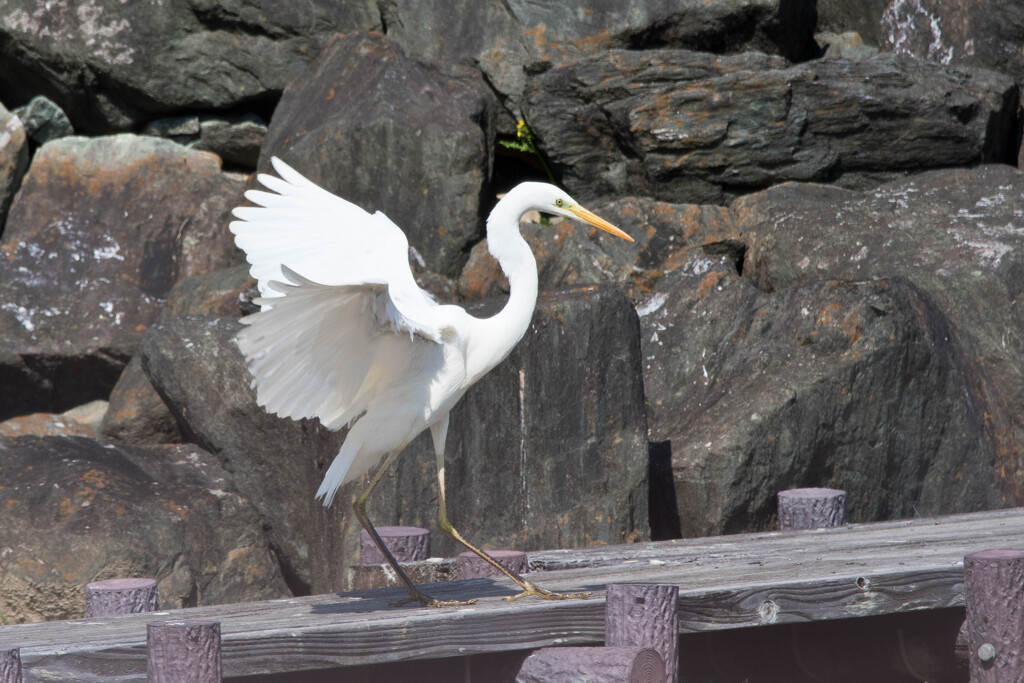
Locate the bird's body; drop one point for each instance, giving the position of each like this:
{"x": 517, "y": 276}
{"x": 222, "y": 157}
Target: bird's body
{"x": 346, "y": 335}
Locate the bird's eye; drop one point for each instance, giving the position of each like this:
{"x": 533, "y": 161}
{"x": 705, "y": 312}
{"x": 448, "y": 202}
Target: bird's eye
{"x": 560, "y": 203}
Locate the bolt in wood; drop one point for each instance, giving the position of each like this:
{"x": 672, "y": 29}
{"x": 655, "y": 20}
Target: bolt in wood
{"x": 180, "y": 651}
{"x": 994, "y": 595}
{"x": 10, "y": 666}
{"x": 120, "y": 596}
{"x": 645, "y": 615}
{"x": 811, "y": 508}
{"x": 406, "y": 543}
{"x": 627, "y": 664}
{"x": 469, "y": 565}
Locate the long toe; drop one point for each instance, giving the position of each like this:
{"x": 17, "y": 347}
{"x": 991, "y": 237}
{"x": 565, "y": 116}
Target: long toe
{"x": 530, "y": 589}
{"x": 428, "y": 601}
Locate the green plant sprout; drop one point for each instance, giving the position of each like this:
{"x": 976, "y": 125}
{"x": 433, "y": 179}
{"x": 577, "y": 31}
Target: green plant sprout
{"x": 525, "y": 142}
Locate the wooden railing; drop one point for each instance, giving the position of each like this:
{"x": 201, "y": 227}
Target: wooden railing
{"x": 746, "y": 583}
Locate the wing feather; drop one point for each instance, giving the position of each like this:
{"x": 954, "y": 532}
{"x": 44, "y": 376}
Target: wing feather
{"x": 339, "y": 304}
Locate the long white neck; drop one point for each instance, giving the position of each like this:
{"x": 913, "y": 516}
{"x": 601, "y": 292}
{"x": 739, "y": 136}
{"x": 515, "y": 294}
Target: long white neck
{"x": 500, "y": 334}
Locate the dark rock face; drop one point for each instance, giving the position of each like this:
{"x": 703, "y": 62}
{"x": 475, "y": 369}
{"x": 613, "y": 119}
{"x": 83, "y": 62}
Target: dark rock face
{"x": 277, "y": 463}
{"x": 112, "y": 64}
{"x": 13, "y": 159}
{"x": 862, "y": 16}
{"x": 983, "y": 34}
{"x": 827, "y": 383}
{"x": 75, "y": 511}
{"x": 136, "y": 414}
{"x": 99, "y": 231}
{"x": 395, "y": 135}
{"x": 688, "y": 126}
{"x": 952, "y": 233}
{"x": 504, "y": 37}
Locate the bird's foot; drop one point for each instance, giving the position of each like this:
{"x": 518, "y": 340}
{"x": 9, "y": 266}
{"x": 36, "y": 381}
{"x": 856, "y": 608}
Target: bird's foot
{"x": 427, "y": 601}
{"x": 530, "y": 589}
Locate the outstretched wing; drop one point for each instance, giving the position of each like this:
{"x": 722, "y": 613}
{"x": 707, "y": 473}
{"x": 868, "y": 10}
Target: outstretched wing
{"x": 339, "y": 305}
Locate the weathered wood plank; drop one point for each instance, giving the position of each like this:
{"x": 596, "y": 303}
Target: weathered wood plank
{"x": 725, "y": 582}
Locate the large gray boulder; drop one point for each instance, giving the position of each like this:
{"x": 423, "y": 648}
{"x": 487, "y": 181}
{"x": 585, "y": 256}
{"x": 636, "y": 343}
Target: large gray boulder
{"x": 112, "y": 65}
{"x": 276, "y": 463}
{"x": 953, "y": 235}
{"x": 73, "y": 510}
{"x": 692, "y": 127}
{"x": 13, "y": 159}
{"x": 986, "y": 34}
{"x": 97, "y": 235}
{"x": 566, "y": 465}
{"x": 392, "y": 134}
{"x": 505, "y": 37}
{"x": 863, "y": 386}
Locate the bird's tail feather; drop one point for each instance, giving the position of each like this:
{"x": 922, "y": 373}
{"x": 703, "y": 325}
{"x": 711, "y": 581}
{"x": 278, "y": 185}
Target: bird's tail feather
{"x": 335, "y": 475}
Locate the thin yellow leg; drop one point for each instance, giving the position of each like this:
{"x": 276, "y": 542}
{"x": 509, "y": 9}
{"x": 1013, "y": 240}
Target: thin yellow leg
{"x": 415, "y": 594}
{"x": 439, "y": 432}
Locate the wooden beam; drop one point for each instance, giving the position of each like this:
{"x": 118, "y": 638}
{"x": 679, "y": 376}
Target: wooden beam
{"x": 725, "y": 582}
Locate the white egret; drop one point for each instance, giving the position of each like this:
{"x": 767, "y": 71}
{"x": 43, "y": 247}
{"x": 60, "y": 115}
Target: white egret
{"x": 346, "y": 335}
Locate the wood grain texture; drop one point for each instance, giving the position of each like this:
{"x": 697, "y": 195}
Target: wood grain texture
{"x": 645, "y": 615}
{"x": 596, "y": 664}
{"x": 187, "y": 650}
{"x": 406, "y": 543}
{"x": 725, "y": 582}
{"x": 469, "y": 565}
{"x": 811, "y": 508}
{"x": 120, "y": 596}
{"x": 994, "y": 592}
{"x": 10, "y": 666}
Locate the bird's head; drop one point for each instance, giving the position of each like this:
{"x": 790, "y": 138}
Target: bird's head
{"x": 551, "y": 199}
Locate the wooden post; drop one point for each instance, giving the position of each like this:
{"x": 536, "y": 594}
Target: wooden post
{"x": 632, "y": 664}
{"x": 406, "y": 543}
{"x": 10, "y": 666}
{"x": 469, "y": 565}
{"x": 645, "y": 615}
{"x": 120, "y": 596}
{"x": 180, "y": 651}
{"x": 811, "y": 508}
{"x": 994, "y": 595}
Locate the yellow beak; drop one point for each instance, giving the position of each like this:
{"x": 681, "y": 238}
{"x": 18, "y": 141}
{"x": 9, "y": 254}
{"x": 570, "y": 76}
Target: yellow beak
{"x": 598, "y": 222}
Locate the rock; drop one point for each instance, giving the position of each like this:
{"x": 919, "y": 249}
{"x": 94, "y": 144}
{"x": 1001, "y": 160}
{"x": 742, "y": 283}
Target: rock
{"x": 952, "y": 234}
{"x": 584, "y": 425}
{"x": 275, "y": 463}
{"x": 13, "y": 159}
{"x": 754, "y": 393}
{"x": 846, "y": 45}
{"x": 83, "y": 420}
{"x": 862, "y": 16}
{"x": 112, "y": 65}
{"x": 569, "y": 253}
{"x": 225, "y": 292}
{"x": 98, "y": 233}
{"x": 686, "y": 126}
{"x": 137, "y": 415}
{"x": 504, "y": 37}
{"x": 44, "y": 120}
{"x": 75, "y": 511}
{"x": 392, "y": 134}
{"x": 981, "y": 34}
{"x": 235, "y": 139}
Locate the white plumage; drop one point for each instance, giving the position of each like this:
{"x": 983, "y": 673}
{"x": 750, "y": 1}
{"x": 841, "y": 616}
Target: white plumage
{"x": 345, "y": 335}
